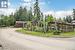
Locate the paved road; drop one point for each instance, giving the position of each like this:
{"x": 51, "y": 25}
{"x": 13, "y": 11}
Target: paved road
{"x": 11, "y": 40}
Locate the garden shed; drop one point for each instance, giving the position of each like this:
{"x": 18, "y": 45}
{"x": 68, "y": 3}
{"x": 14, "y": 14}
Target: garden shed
{"x": 20, "y": 24}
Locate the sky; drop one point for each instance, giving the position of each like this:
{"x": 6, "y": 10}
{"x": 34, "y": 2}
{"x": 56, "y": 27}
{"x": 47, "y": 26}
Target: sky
{"x": 58, "y": 8}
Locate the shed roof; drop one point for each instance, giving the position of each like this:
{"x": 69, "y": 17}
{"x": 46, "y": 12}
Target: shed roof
{"x": 21, "y": 22}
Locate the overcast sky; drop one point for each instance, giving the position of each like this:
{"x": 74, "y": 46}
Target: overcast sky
{"x": 58, "y": 8}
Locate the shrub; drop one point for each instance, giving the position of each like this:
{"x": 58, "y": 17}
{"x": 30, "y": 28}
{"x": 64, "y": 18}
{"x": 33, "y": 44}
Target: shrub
{"x": 56, "y": 32}
{"x": 39, "y": 29}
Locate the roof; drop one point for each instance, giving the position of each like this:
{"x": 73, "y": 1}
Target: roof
{"x": 73, "y": 21}
{"x": 64, "y": 23}
{"x": 21, "y": 22}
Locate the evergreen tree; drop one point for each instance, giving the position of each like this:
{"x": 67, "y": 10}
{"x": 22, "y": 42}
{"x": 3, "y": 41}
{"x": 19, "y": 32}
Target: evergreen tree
{"x": 41, "y": 18}
{"x": 21, "y": 14}
{"x": 30, "y": 16}
{"x": 68, "y": 19}
{"x": 73, "y": 14}
{"x": 60, "y": 19}
{"x": 64, "y": 19}
{"x": 12, "y": 19}
{"x": 25, "y": 14}
{"x": 37, "y": 10}
{"x": 18, "y": 14}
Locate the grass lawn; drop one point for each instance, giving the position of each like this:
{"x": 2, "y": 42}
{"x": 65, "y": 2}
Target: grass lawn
{"x": 62, "y": 35}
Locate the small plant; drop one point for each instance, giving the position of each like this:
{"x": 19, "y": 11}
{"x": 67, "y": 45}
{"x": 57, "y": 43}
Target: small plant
{"x": 39, "y": 29}
{"x": 56, "y": 32}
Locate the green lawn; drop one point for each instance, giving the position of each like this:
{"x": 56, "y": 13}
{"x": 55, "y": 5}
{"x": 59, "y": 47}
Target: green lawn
{"x": 62, "y": 35}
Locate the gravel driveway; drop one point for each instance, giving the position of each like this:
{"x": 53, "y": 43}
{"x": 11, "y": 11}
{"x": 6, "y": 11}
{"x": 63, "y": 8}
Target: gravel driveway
{"x": 11, "y": 40}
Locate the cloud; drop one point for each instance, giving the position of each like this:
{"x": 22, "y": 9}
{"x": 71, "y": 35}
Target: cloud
{"x": 27, "y": 0}
{"x": 59, "y": 14}
{"x": 6, "y": 11}
{"x": 26, "y": 3}
{"x": 29, "y": 3}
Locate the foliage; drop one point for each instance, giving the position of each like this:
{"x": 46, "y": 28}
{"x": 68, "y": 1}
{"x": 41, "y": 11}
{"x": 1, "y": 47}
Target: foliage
{"x": 47, "y": 34}
{"x": 37, "y": 11}
{"x": 30, "y": 16}
{"x": 67, "y": 19}
{"x": 73, "y": 14}
{"x": 56, "y": 32}
{"x": 60, "y": 20}
{"x": 23, "y": 14}
{"x": 39, "y": 29}
{"x": 64, "y": 19}
{"x": 49, "y": 18}
{"x": 36, "y": 22}
{"x": 7, "y": 21}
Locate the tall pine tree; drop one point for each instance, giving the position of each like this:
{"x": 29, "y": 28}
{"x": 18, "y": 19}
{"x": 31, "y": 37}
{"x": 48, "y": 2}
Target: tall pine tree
{"x": 37, "y": 10}
{"x": 30, "y": 16}
{"x": 73, "y": 14}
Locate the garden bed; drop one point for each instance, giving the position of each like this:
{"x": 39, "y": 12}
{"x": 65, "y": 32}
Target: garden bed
{"x": 62, "y": 35}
